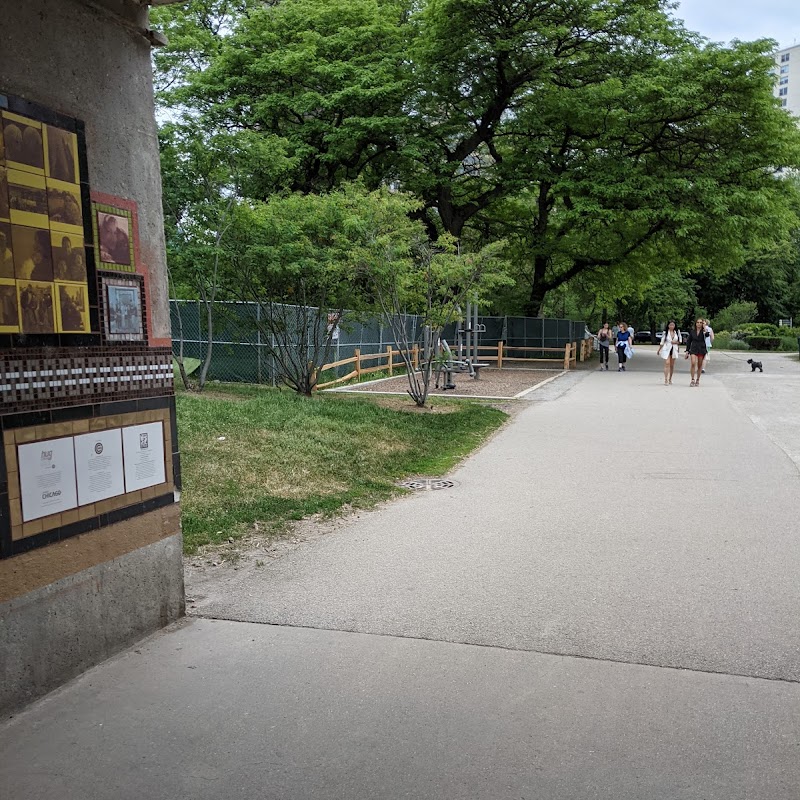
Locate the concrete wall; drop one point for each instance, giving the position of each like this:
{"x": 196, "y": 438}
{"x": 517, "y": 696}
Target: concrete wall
{"x": 53, "y": 633}
{"x": 67, "y": 605}
{"x": 85, "y": 62}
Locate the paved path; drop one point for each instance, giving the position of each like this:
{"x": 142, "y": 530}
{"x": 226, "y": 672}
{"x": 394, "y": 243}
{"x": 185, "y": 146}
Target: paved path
{"x": 605, "y": 607}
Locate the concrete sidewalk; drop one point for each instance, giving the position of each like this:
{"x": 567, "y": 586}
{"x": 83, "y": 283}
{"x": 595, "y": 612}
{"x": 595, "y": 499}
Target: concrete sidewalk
{"x": 608, "y": 552}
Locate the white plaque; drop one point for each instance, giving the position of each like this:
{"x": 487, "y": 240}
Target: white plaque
{"x": 98, "y": 463}
{"x": 47, "y": 477}
{"x": 143, "y": 446}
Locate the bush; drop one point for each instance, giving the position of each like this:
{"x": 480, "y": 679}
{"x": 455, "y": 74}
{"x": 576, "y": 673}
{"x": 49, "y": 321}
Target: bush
{"x": 788, "y": 344}
{"x": 735, "y": 315}
{"x": 761, "y": 329}
{"x": 725, "y": 340}
{"x": 764, "y": 342}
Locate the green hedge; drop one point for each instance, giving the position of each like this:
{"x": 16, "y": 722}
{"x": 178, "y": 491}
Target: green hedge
{"x": 764, "y": 342}
{"x": 789, "y": 344}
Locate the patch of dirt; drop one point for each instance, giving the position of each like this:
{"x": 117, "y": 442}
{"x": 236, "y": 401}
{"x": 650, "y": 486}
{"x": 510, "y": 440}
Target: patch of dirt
{"x": 397, "y": 403}
{"x": 253, "y": 552}
{"x": 505, "y": 383}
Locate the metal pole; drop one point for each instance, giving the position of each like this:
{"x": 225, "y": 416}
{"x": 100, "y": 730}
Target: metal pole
{"x": 475, "y": 330}
{"x": 463, "y": 343}
{"x": 258, "y": 338}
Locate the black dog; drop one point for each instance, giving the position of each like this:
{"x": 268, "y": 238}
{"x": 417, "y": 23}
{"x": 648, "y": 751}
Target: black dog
{"x": 755, "y": 365}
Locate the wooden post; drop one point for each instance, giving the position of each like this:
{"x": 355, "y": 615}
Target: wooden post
{"x": 357, "y": 353}
{"x": 583, "y": 350}
{"x": 567, "y": 348}
{"x": 415, "y": 356}
{"x": 500, "y": 355}
{"x": 390, "y": 357}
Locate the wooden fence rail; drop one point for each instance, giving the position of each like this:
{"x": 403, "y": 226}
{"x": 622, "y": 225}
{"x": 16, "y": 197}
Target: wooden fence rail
{"x": 570, "y": 353}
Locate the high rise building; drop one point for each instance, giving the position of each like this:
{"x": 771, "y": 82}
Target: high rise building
{"x": 787, "y": 88}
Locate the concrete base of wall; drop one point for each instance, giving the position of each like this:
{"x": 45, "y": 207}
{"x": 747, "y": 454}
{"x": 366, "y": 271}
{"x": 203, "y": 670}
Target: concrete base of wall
{"x": 54, "y": 633}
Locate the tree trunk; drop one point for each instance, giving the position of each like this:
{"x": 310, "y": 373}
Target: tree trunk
{"x": 210, "y": 344}
{"x": 539, "y": 289}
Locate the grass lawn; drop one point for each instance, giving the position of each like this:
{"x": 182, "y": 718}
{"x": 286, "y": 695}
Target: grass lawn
{"x": 253, "y": 454}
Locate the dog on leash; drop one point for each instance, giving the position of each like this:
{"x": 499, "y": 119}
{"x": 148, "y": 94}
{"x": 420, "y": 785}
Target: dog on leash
{"x": 755, "y": 365}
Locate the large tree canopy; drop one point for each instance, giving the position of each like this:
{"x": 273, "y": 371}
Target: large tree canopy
{"x": 598, "y": 139}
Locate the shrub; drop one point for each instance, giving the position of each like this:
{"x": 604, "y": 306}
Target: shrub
{"x": 735, "y": 315}
{"x": 724, "y": 340}
{"x": 788, "y": 344}
{"x": 761, "y": 329}
{"x": 764, "y": 342}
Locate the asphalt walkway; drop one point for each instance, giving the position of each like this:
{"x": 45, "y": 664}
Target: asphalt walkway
{"x": 605, "y": 606}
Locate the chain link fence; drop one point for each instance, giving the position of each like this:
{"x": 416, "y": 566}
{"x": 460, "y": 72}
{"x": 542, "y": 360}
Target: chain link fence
{"x": 241, "y": 355}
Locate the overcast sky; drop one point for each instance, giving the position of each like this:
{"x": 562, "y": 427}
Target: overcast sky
{"x": 723, "y": 20}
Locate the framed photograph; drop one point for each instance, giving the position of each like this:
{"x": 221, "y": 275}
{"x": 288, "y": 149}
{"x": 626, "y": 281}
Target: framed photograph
{"x": 123, "y": 310}
{"x": 6, "y": 253}
{"x": 73, "y": 307}
{"x": 69, "y": 257}
{"x": 36, "y": 307}
{"x": 24, "y": 145}
{"x": 64, "y": 206}
{"x": 5, "y": 211}
{"x": 32, "y": 253}
{"x": 113, "y": 238}
{"x": 61, "y": 154}
{"x": 9, "y": 308}
{"x": 27, "y": 199}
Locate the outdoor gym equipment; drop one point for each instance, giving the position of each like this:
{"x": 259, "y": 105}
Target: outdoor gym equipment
{"x": 465, "y": 358}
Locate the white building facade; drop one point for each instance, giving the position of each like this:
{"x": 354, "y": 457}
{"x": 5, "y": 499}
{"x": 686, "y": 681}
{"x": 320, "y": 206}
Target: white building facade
{"x": 787, "y": 86}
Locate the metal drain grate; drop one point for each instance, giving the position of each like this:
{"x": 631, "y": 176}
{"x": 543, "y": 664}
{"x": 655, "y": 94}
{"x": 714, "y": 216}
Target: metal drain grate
{"x": 427, "y": 484}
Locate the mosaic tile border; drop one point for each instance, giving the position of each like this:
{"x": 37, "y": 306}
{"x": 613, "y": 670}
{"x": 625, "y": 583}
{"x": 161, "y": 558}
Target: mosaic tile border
{"x": 41, "y": 380}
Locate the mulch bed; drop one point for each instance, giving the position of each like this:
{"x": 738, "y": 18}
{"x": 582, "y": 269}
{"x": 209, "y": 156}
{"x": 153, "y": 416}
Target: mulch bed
{"x": 506, "y": 383}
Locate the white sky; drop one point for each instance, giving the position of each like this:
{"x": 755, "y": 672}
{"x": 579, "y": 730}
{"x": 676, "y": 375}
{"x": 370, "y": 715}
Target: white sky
{"x": 724, "y": 20}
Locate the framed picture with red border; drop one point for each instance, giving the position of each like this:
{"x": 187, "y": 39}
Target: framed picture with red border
{"x": 113, "y": 238}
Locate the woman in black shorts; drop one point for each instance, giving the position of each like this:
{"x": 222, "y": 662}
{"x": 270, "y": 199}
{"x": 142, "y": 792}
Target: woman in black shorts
{"x": 696, "y": 350}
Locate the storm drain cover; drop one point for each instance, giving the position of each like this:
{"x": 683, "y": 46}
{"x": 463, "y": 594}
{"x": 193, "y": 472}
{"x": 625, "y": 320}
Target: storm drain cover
{"x": 427, "y": 484}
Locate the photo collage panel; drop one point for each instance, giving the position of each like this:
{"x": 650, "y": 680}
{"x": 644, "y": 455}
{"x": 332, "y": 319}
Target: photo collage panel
{"x": 43, "y": 277}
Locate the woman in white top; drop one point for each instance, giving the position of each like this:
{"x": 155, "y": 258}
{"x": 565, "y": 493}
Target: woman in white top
{"x": 669, "y": 350}
{"x": 709, "y": 332}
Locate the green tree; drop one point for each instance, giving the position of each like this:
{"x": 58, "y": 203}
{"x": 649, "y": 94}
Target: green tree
{"x": 597, "y": 139}
{"x": 306, "y": 259}
{"x": 435, "y": 282}
{"x": 734, "y": 315}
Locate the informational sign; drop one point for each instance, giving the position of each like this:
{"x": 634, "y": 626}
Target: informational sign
{"x": 98, "y": 464}
{"x": 143, "y": 448}
{"x": 47, "y": 478}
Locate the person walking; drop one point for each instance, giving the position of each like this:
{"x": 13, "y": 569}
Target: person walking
{"x": 669, "y": 350}
{"x": 696, "y": 350}
{"x": 623, "y": 346}
{"x": 709, "y": 332}
{"x": 604, "y": 340}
